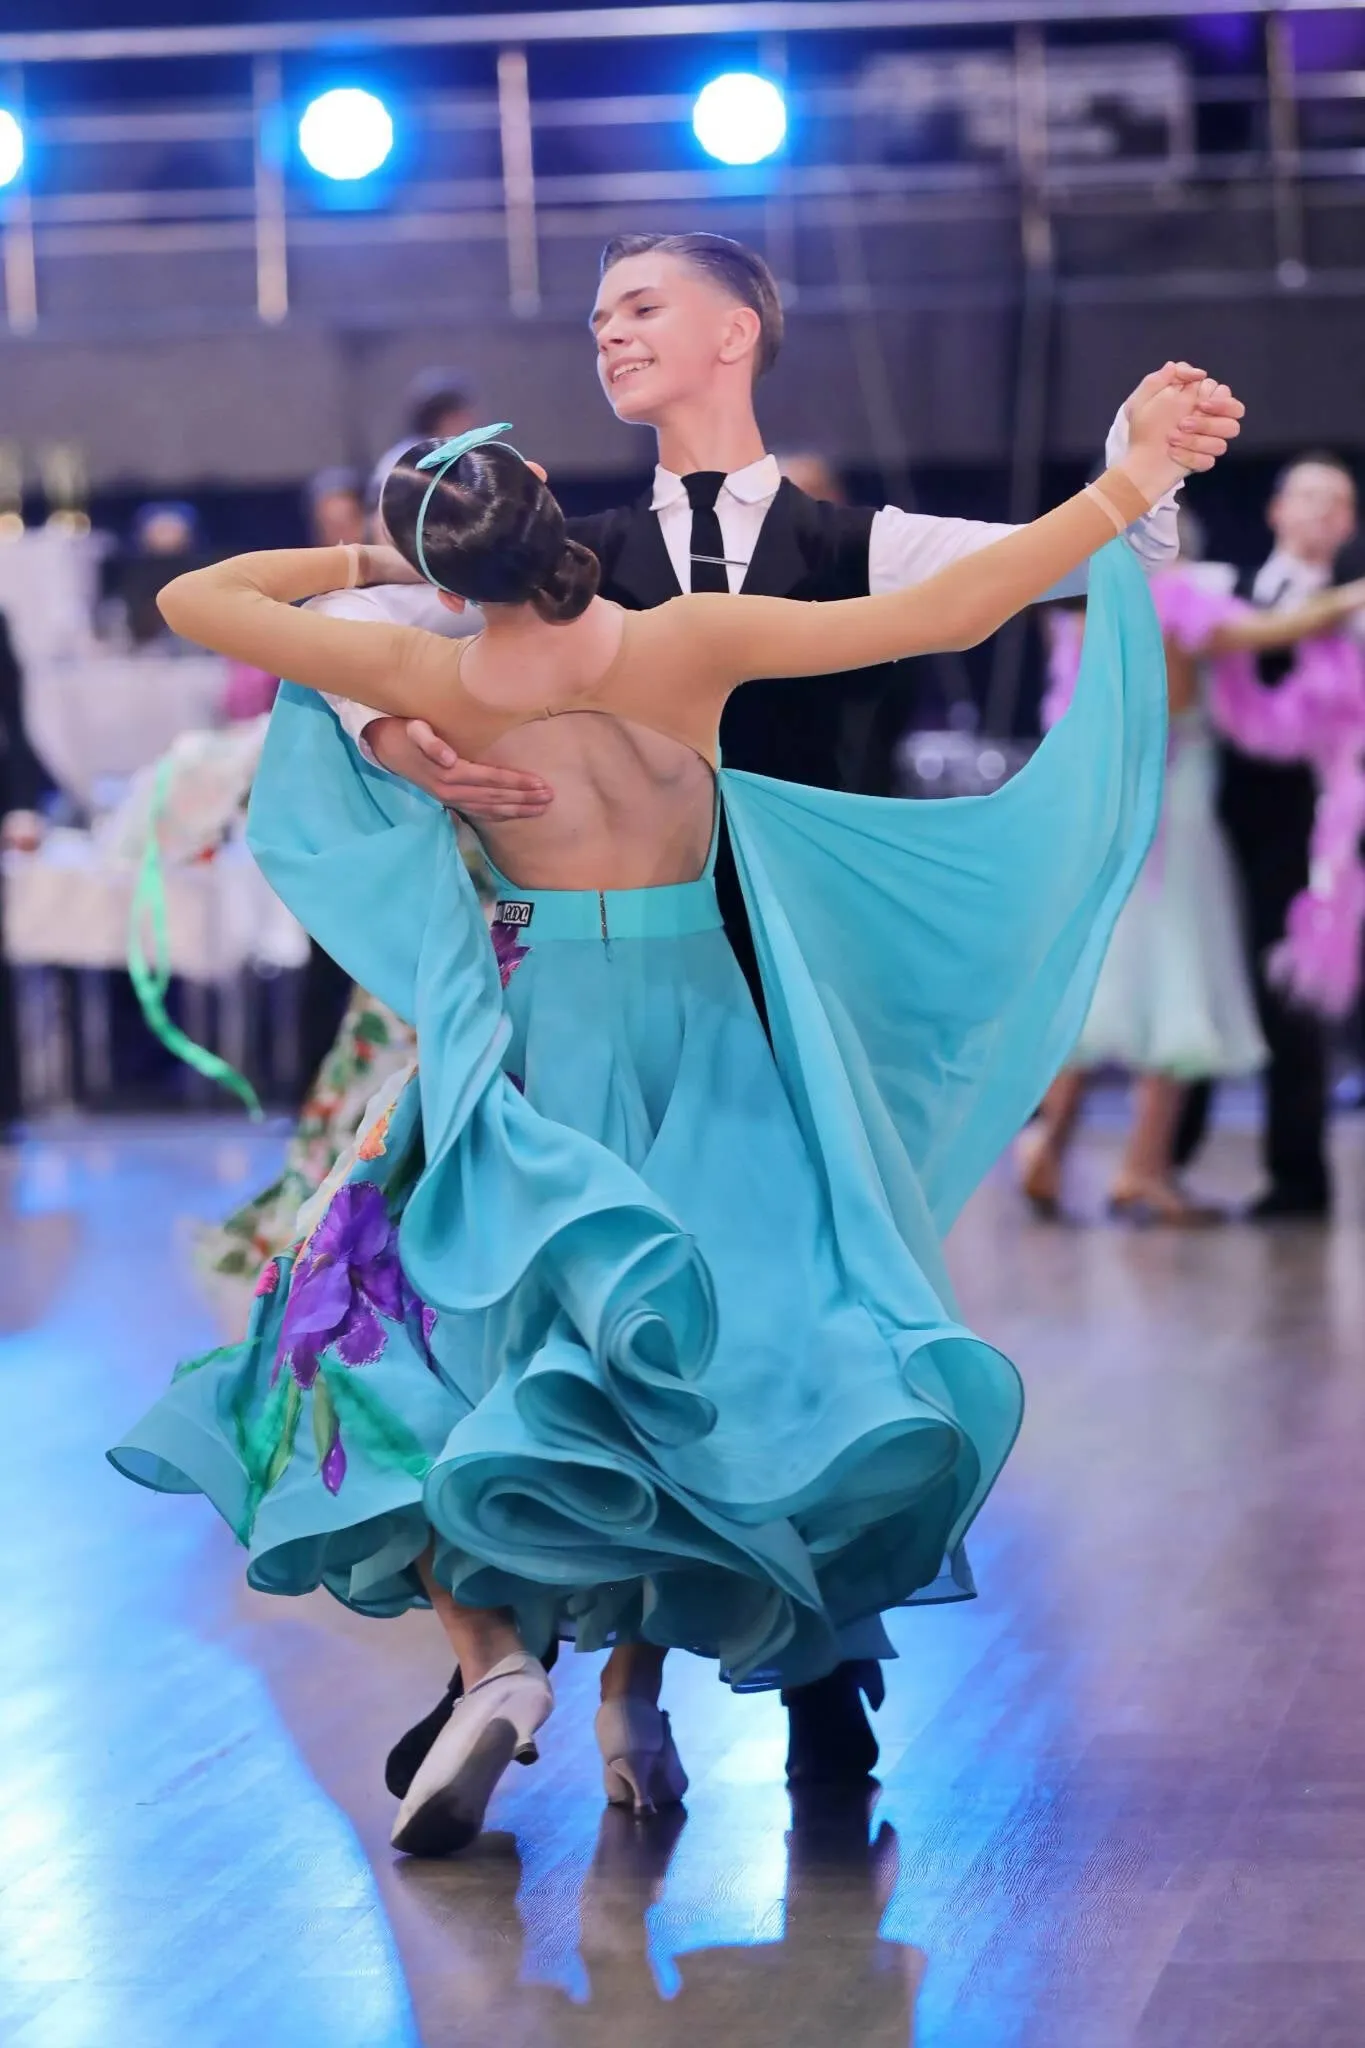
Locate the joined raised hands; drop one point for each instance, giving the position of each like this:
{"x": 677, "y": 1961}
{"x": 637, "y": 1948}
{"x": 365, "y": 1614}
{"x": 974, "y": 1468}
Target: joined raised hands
{"x": 1184, "y": 410}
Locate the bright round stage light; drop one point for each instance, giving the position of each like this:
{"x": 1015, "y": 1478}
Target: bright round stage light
{"x": 11, "y": 148}
{"x": 346, "y": 133}
{"x": 740, "y": 118}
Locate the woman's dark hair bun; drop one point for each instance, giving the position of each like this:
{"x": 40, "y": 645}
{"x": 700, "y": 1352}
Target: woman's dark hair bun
{"x": 492, "y": 531}
{"x": 571, "y": 585}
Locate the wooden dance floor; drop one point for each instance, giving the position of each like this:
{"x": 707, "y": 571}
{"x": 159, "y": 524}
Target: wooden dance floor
{"x": 1123, "y": 1796}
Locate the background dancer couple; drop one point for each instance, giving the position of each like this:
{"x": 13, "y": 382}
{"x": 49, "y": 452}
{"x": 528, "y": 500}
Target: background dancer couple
{"x": 669, "y": 1357}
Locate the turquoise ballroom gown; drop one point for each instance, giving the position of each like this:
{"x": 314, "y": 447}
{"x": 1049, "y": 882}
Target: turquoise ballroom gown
{"x": 642, "y": 1321}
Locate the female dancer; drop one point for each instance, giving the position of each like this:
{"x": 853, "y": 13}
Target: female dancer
{"x": 1174, "y": 1002}
{"x": 629, "y": 1325}
{"x": 371, "y": 1046}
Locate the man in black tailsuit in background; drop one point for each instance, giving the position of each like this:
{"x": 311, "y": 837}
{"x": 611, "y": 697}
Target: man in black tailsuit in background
{"x": 1267, "y": 808}
{"x": 684, "y": 326}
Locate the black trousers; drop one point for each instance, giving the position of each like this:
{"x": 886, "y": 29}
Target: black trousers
{"x": 735, "y": 917}
{"x": 1267, "y": 814}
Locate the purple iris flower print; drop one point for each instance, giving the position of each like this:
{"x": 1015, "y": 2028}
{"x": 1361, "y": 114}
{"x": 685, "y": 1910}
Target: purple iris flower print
{"x": 334, "y": 1465}
{"x": 347, "y": 1278}
{"x": 508, "y": 951}
{"x": 347, "y": 1288}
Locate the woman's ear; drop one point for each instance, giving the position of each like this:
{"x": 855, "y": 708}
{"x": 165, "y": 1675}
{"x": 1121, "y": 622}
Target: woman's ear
{"x": 536, "y": 470}
{"x": 451, "y": 602}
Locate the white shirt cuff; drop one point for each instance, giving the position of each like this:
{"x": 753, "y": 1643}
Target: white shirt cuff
{"x": 1155, "y": 540}
{"x": 354, "y": 719}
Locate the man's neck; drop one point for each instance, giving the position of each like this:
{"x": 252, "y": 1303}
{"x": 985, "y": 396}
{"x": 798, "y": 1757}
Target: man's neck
{"x": 717, "y": 434}
{"x": 1322, "y": 564}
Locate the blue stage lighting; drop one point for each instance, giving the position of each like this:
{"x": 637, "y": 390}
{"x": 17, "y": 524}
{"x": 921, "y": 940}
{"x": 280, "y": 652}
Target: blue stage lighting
{"x": 346, "y": 133}
{"x": 740, "y": 118}
{"x": 11, "y": 147}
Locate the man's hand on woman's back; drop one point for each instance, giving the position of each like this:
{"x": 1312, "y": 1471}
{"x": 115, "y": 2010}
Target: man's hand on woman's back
{"x": 409, "y": 749}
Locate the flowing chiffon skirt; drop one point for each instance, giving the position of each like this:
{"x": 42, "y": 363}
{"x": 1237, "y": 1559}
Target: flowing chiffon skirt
{"x": 643, "y": 1322}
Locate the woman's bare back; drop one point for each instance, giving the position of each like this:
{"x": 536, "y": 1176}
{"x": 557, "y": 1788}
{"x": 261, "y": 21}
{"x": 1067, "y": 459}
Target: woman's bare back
{"x": 633, "y": 809}
{"x": 619, "y": 712}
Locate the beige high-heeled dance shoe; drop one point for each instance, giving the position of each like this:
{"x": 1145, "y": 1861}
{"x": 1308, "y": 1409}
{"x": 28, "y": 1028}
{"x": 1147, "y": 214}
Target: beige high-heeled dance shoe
{"x": 494, "y": 1722}
{"x": 1039, "y": 1175}
{"x": 1163, "y": 1203}
{"x": 641, "y": 1767}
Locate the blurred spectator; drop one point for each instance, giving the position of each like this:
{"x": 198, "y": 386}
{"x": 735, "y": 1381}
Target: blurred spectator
{"x": 440, "y": 404}
{"x": 249, "y": 693}
{"x": 165, "y": 541}
{"x": 25, "y": 787}
{"x": 336, "y": 513}
{"x": 164, "y": 529}
{"x": 813, "y": 475}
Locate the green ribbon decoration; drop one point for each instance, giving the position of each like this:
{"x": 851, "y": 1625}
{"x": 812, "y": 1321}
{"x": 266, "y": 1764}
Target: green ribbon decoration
{"x": 151, "y": 979}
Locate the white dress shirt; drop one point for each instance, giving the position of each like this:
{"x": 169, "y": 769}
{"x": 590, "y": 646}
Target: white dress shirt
{"x": 400, "y": 604}
{"x": 905, "y": 548}
{"x": 1284, "y": 580}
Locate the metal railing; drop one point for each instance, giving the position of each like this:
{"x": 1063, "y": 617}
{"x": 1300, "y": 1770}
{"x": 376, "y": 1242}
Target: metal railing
{"x": 530, "y": 190}
{"x": 516, "y": 165}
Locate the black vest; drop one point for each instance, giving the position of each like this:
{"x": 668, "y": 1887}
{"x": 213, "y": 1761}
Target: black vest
{"x": 1264, "y": 801}
{"x": 807, "y": 550}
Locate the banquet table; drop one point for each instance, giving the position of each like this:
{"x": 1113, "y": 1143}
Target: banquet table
{"x": 68, "y": 906}
{"x": 49, "y": 587}
{"x": 96, "y": 717}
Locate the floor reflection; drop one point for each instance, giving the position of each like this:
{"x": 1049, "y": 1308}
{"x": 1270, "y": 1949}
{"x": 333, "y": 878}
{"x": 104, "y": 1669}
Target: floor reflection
{"x": 37, "y": 1246}
{"x": 1127, "y": 1787}
{"x": 638, "y": 1959}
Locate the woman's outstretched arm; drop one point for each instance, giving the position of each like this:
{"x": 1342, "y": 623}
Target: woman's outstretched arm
{"x": 963, "y": 604}
{"x": 246, "y": 608}
{"x": 970, "y": 600}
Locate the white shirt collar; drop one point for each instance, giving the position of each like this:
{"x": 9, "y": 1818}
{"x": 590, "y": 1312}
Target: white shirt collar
{"x": 752, "y": 486}
{"x": 1282, "y": 572}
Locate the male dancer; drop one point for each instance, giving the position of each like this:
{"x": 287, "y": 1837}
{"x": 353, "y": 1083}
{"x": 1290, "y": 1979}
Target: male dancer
{"x": 1268, "y": 808}
{"x": 684, "y": 326}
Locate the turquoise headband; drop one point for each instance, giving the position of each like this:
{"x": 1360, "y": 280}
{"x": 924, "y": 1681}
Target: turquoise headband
{"x": 441, "y": 459}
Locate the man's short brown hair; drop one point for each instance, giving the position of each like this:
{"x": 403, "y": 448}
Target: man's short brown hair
{"x": 1313, "y": 458}
{"x": 738, "y": 271}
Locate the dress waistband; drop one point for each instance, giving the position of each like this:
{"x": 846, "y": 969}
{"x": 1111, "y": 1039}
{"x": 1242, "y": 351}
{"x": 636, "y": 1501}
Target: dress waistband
{"x": 673, "y": 911}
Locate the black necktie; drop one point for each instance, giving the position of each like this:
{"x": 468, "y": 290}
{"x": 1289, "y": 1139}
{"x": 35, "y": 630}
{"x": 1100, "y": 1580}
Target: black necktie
{"x": 708, "y": 572}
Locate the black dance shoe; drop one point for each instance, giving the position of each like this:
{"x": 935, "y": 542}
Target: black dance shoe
{"x": 1289, "y": 1205}
{"x": 410, "y": 1751}
{"x": 831, "y": 1740}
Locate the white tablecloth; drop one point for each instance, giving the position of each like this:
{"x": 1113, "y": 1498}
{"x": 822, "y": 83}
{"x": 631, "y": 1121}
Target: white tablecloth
{"x": 49, "y": 584}
{"x": 69, "y": 906}
{"x": 99, "y": 716}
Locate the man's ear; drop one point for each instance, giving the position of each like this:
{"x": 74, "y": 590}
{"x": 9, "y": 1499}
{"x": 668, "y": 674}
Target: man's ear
{"x": 742, "y": 333}
{"x": 451, "y": 602}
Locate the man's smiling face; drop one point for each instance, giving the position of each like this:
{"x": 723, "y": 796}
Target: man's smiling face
{"x": 662, "y": 331}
